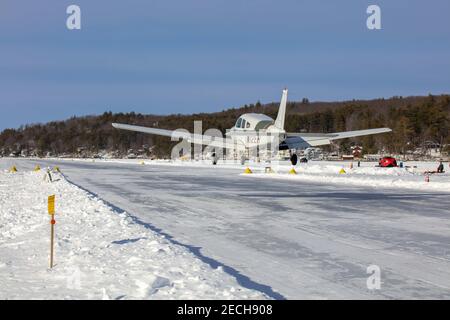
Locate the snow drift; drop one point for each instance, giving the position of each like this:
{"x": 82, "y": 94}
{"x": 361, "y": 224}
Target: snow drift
{"x": 100, "y": 253}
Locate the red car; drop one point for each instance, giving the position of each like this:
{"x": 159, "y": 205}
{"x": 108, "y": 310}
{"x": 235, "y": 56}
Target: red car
{"x": 387, "y": 162}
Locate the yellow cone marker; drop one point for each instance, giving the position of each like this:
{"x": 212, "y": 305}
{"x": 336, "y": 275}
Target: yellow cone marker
{"x": 247, "y": 170}
{"x": 142, "y": 162}
{"x": 13, "y": 169}
{"x": 342, "y": 171}
{"x": 56, "y": 169}
{"x": 292, "y": 171}
{"x": 37, "y": 168}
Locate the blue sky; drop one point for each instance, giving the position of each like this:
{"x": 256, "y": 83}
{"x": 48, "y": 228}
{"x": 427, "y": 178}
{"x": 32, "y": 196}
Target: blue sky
{"x": 188, "y": 56}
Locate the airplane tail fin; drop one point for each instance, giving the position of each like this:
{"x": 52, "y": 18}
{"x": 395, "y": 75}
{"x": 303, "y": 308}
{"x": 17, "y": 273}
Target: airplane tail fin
{"x": 279, "y": 122}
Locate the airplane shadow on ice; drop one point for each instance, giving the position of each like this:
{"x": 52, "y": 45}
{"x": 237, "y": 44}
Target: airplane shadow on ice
{"x": 240, "y": 278}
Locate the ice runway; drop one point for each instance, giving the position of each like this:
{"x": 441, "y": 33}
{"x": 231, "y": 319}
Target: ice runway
{"x": 286, "y": 238}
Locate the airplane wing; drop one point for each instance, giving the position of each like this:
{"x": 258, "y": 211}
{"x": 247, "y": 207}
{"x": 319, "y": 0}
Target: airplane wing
{"x": 212, "y": 141}
{"x": 358, "y": 133}
{"x": 304, "y": 140}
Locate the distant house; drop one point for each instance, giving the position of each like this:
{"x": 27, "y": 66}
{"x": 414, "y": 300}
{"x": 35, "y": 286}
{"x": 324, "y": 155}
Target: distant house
{"x": 347, "y": 157}
{"x": 357, "y": 151}
{"x": 372, "y": 157}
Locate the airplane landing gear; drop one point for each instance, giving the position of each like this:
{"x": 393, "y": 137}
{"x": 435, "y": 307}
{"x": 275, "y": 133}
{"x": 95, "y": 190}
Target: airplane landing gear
{"x": 294, "y": 159}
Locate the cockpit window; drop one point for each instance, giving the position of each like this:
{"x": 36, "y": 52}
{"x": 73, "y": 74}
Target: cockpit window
{"x": 263, "y": 124}
{"x": 238, "y": 123}
{"x": 248, "y": 125}
{"x": 243, "y": 123}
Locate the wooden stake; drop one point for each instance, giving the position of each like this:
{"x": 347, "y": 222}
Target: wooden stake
{"x": 52, "y": 236}
{"x": 51, "y": 211}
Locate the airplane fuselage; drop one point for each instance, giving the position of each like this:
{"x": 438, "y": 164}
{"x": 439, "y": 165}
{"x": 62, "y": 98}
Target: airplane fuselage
{"x": 255, "y": 129}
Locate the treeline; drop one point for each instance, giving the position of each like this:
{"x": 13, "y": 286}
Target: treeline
{"x": 416, "y": 121}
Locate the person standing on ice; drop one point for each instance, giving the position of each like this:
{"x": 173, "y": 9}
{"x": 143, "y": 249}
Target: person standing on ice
{"x": 440, "y": 169}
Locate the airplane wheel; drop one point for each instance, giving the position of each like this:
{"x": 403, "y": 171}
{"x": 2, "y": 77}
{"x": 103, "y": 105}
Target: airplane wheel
{"x": 294, "y": 159}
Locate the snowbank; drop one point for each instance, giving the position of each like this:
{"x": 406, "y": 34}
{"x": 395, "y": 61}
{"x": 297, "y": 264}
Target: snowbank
{"x": 369, "y": 176}
{"x": 319, "y": 166}
{"x": 100, "y": 253}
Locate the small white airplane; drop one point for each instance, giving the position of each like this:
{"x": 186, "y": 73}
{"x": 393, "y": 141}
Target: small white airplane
{"x": 254, "y": 130}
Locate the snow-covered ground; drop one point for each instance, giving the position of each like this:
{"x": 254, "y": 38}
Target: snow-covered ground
{"x": 311, "y": 235}
{"x": 100, "y": 253}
